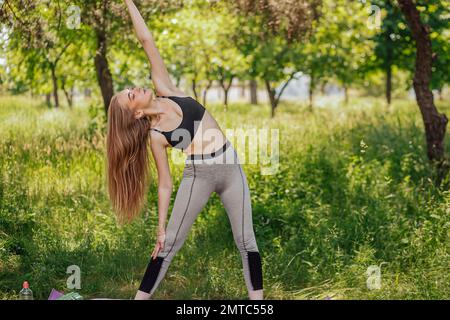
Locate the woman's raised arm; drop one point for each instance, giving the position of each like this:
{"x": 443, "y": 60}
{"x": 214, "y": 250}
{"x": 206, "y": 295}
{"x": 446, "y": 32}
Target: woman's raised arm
{"x": 159, "y": 74}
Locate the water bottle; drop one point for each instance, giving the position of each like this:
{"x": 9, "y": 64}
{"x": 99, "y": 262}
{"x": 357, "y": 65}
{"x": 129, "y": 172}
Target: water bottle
{"x": 26, "y": 293}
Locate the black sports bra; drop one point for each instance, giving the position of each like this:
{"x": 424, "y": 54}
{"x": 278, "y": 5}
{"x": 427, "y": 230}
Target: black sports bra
{"x": 181, "y": 137}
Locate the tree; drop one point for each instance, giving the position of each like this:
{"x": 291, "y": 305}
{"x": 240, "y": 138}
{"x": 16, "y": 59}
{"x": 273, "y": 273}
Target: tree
{"x": 438, "y": 13}
{"x": 435, "y": 123}
{"x": 338, "y": 46}
{"x": 182, "y": 46}
{"x": 40, "y": 36}
{"x": 199, "y": 47}
{"x": 270, "y": 33}
{"x": 226, "y": 61}
{"x": 103, "y": 18}
{"x": 346, "y": 26}
{"x": 110, "y": 26}
{"x": 393, "y": 47}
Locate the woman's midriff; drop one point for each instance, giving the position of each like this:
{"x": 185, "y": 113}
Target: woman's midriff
{"x": 208, "y": 138}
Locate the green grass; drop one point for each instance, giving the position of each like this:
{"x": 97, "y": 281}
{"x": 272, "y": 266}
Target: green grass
{"x": 353, "y": 189}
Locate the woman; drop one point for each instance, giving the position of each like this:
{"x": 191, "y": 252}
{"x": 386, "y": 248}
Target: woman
{"x": 174, "y": 119}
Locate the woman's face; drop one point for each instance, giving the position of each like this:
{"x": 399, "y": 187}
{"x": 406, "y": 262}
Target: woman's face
{"x": 136, "y": 98}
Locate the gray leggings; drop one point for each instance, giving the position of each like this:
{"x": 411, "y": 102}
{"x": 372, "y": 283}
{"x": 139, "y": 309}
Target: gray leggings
{"x": 222, "y": 173}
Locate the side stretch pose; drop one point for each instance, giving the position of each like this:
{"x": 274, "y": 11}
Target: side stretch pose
{"x": 173, "y": 119}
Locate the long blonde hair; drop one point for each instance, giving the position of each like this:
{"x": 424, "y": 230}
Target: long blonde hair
{"x": 128, "y": 171}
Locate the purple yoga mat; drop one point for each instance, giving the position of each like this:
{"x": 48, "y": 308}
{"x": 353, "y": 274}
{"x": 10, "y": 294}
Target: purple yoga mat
{"x": 55, "y": 295}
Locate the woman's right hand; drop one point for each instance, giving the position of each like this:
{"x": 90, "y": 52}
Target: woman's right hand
{"x": 161, "y": 238}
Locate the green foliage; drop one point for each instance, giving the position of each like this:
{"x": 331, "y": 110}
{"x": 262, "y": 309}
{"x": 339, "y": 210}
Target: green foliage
{"x": 36, "y": 39}
{"x": 339, "y": 46}
{"x": 209, "y": 40}
{"x": 374, "y": 83}
{"x": 394, "y": 44}
{"x": 203, "y": 41}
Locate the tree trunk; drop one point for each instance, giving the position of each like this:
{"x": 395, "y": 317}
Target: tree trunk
{"x": 205, "y": 92}
{"x": 48, "y": 98}
{"x": 55, "y": 85}
{"x": 226, "y": 89}
{"x": 388, "y": 61}
{"x": 225, "y": 101}
{"x": 253, "y": 92}
{"x": 210, "y": 82}
{"x": 312, "y": 85}
{"x": 435, "y": 123}
{"x": 274, "y": 99}
{"x": 225, "y": 92}
{"x": 72, "y": 92}
{"x": 104, "y": 77}
{"x": 389, "y": 84}
{"x": 68, "y": 95}
{"x": 194, "y": 88}
{"x": 271, "y": 94}
{"x": 68, "y": 98}
{"x": 242, "y": 93}
{"x": 346, "y": 97}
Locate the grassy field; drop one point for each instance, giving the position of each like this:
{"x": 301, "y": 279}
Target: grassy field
{"x": 353, "y": 190}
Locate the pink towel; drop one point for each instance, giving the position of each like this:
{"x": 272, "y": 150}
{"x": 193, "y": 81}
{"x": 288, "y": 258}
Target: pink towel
{"x": 55, "y": 295}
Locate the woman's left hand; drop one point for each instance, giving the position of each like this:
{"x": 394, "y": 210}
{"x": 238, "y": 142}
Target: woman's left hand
{"x": 159, "y": 243}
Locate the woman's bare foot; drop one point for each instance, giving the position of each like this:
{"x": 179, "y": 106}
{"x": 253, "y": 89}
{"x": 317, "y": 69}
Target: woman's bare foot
{"x": 255, "y": 295}
{"x": 141, "y": 295}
